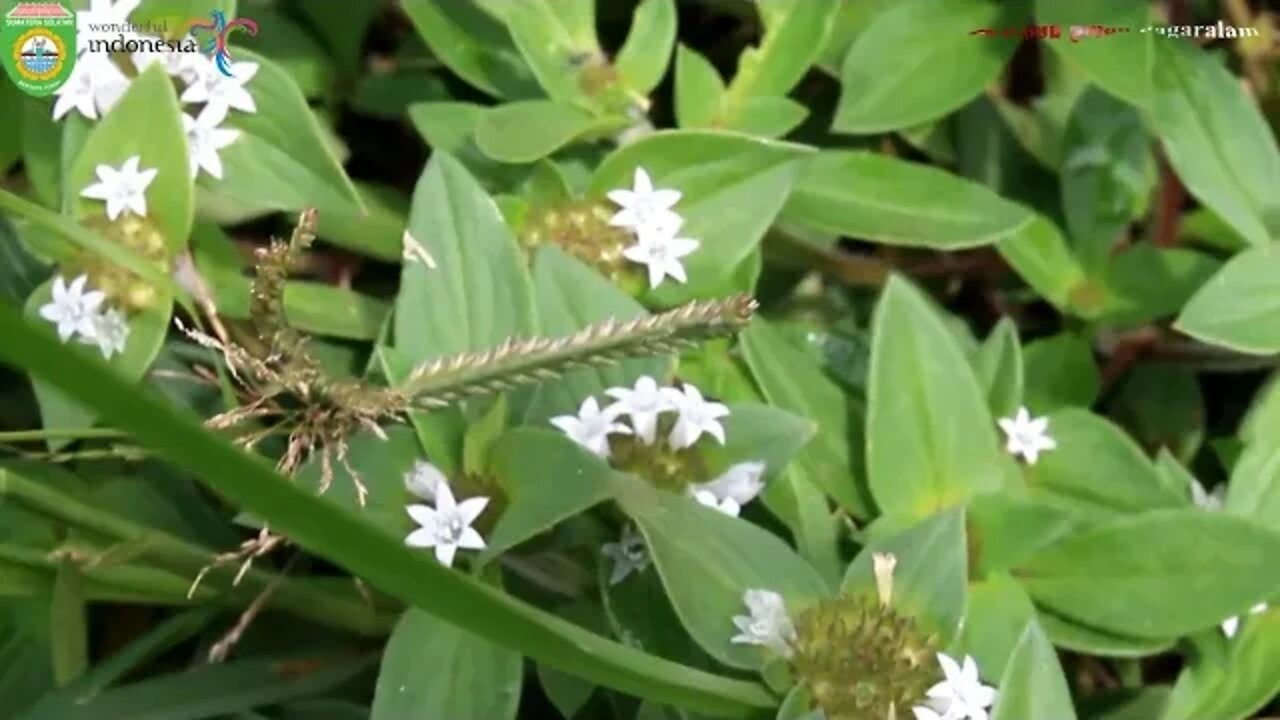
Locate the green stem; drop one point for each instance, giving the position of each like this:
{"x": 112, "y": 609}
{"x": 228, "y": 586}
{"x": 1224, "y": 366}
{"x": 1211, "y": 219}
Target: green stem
{"x": 62, "y": 434}
{"x": 177, "y": 556}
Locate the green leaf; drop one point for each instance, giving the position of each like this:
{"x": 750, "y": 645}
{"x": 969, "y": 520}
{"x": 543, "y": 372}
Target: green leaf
{"x": 1254, "y": 491}
{"x": 1237, "y": 307}
{"x": 374, "y": 232}
{"x": 644, "y": 56}
{"x": 547, "y": 478}
{"x": 1145, "y": 283}
{"x": 769, "y": 117}
{"x": 891, "y": 80}
{"x": 382, "y": 465}
{"x": 793, "y": 38}
{"x": 1117, "y": 576}
{"x": 1107, "y": 170}
{"x": 1072, "y": 635}
{"x": 1163, "y": 407}
{"x": 478, "y": 294}
{"x": 1118, "y": 477}
{"x": 707, "y": 560}
{"x": 1060, "y": 372}
{"x": 432, "y": 669}
{"x": 450, "y": 126}
{"x": 282, "y": 159}
{"x": 1033, "y": 686}
{"x": 792, "y": 381}
{"x": 919, "y": 459}
{"x": 1216, "y": 139}
{"x": 699, "y": 89}
{"x": 26, "y": 667}
{"x": 529, "y": 130}
{"x": 1236, "y": 686}
{"x": 733, "y": 186}
{"x": 883, "y": 199}
{"x": 147, "y": 123}
{"x": 570, "y": 296}
{"x": 351, "y": 542}
{"x": 1006, "y": 530}
{"x": 999, "y": 612}
{"x": 931, "y": 579}
{"x": 1122, "y": 63}
{"x": 68, "y": 624}
{"x": 557, "y": 41}
{"x": 999, "y": 368}
{"x": 473, "y": 44}
{"x": 1041, "y": 257}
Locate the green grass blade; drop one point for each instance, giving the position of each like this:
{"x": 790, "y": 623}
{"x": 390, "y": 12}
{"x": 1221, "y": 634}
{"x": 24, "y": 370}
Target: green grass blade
{"x": 367, "y": 551}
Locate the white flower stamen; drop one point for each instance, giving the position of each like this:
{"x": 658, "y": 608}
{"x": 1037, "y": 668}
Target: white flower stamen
{"x": 447, "y": 526}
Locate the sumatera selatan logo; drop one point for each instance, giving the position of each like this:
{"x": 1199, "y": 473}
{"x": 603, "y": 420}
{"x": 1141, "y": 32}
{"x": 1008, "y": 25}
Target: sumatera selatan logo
{"x": 38, "y": 44}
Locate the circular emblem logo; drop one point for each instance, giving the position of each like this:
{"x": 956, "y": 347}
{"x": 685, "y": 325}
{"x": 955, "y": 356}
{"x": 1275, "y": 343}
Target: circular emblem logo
{"x": 39, "y": 54}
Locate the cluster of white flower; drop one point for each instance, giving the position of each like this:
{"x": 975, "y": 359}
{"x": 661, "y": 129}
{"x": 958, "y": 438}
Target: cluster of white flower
{"x": 97, "y": 83}
{"x": 643, "y": 404}
{"x": 959, "y": 696}
{"x": 647, "y": 212}
{"x": 447, "y": 526}
{"x": 79, "y": 312}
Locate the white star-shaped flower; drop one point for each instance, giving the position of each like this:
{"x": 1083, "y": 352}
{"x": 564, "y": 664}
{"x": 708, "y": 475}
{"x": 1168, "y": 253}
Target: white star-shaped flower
{"x": 1205, "y": 500}
{"x": 643, "y": 403}
{"x": 629, "y": 555}
{"x": 73, "y": 310}
{"x": 123, "y": 189}
{"x": 644, "y": 207}
{"x": 110, "y": 332}
{"x": 447, "y": 526}
{"x": 217, "y": 89}
{"x": 660, "y": 251}
{"x": 695, "y": 416}
{"x": 187, "y": 67}
{"x": 95, "y": 85}
{"x": 961, "y": 696}
{"x": 736, "y": 487}
{"x": 767, "y": 625}
{"x": 205, "y": 139}
{"x": 1231, "y": 625}
{"x": 423, "y": 479}
{"x": 591, "y": 427}
{"x": 1027, "y": 437}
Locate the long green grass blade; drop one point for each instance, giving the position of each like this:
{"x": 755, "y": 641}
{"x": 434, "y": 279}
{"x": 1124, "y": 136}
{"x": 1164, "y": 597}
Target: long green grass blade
{"x": 363, "y": 549}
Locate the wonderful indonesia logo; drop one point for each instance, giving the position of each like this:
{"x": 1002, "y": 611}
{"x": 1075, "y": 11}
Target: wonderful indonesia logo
{"x": 38, "y": 41}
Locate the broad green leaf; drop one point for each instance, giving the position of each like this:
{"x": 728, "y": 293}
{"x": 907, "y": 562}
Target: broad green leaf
{"x": 570, "y": 296}
{"x": 478, "y": 294}
{"x": 1254, "y": 491}
{"x": 282, "y": 159}
{"x": 764, "y": 433}
{"x": 883, "y": 199}
{"x": 644, "y": 56}
{"x": 794, "y": 382}
{"x": 294, "y": 48}
{"x": 375, "y": 232}
{"x": 1116, "y": 576}
{"x": 1163, "y": 407}
{"x": 769, "y": 117}
{"x": 546, "y": 478}
{"x": 998, "y": 614}
{"x": 351, "y": 542}
{"x": 890, "y": 80}
{"x": 451, "y": 126}
{"x": 1118, "y": 476}
{"x": 26, "y": 667}
{"x": 147, "y": 330}
{"x": 792, "y": 40}
{"x": 733, "y": 186}
{"x": 473, "y": 44}
{"x": 1072, "y": 635}
{"x": 1146, "y": 283}
{"x": 1041, "y": 257}
{"x": 931, "y": 440}
{"x": 558, "y": 42}
{"x": 1033, "y": 686}
{"x": 639, "y": 612}
{"x": 1107, "y": 169}
{"x": 797, "y": 500}
{"x": 432, "y": 669}
{"x": 1122, "y": 63}
{"x": 699, "y": 89}
{"x": 529, "y": 130}
{"x": 1234, "y": 687}
{"x": 930, "y": 582}
{"x": 382, "y": 465}
{"x": 1060, "y": 372}
{"x": 1005, "y": 530}
{"x": 147, "y": 123}
{"x": 1239, "y": 307}
{"x": 708, "y": 560}
{"x": 1216, "y": 139}
{"x": 999, "y": 368}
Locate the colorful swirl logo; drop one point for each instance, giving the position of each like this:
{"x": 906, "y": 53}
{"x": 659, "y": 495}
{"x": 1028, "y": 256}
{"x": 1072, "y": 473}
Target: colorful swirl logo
{"x": 216, "y": 46}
